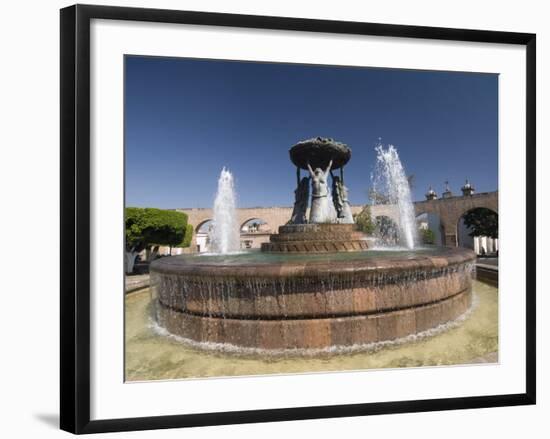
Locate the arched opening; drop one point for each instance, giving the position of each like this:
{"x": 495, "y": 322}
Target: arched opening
{"x": 430, "y": 228}
{"x": 255, "y": 225}
{"x": 254, "y": 232}
{"x": 202, "y": 235}
{"x": 386, "y": 230}
{"x": 477, "y": 229}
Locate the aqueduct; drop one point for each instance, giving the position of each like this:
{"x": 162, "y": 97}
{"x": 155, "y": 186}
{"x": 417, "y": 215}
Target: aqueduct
{"x": 449, "y": 210}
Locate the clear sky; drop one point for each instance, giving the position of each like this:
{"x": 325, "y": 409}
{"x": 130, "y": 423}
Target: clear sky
{"x": 185, "y": 119}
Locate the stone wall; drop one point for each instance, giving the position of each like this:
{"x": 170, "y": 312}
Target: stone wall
{"x": 449, "y": 211}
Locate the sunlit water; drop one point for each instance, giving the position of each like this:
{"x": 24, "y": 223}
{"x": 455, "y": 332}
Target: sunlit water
{"x": 389, "y": 178}
{"x": 256, "y": 256}
{"x": 152, "y": 355}
{"x": 225, "y": 234}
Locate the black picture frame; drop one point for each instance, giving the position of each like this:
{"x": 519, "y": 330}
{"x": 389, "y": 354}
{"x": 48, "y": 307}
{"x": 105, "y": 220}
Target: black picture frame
{"x": 75, "y": 218}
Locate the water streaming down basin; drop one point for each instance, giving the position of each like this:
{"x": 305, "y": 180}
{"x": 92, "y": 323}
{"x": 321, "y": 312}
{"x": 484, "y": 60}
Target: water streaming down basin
{"x": 310, "y": 301}
{"x": 225, "y": 236}
{"x": 389, "y": 178}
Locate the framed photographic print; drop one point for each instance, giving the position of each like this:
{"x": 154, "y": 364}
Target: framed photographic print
{"x": 268, "y": 218}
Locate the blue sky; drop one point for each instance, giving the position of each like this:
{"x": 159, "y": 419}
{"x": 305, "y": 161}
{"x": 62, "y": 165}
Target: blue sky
{"x": 185, "y": 119}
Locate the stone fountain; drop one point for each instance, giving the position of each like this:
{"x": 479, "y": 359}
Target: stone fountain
{"x": 316, "y": 286}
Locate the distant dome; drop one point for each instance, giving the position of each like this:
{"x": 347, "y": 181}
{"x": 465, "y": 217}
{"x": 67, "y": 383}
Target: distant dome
{"x": 431, "y": 195}
{"x": 467, "y": 189}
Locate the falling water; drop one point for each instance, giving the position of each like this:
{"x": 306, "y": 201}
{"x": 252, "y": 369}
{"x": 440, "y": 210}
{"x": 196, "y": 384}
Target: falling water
{"x": 390, "y": 178}
{"x": 224, "y": 236}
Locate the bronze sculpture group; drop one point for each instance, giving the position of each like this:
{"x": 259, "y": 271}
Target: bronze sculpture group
{"x": 321, "y": 210}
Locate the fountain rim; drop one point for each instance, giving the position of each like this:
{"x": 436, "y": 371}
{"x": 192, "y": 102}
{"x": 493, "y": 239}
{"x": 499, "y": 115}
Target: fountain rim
{"x": 181, "y": 265}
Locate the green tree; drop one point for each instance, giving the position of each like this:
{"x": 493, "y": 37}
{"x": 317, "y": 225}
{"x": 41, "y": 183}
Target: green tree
{"x": 186, "y": 242}
{"x": 428, "y": 236}
{"x": 148, "y": 228}
{"x": 364, "y": 221}
{"x": 482, "y": 222}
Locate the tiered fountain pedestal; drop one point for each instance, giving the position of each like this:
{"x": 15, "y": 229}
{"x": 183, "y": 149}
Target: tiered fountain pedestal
{"x": 269, "y": 302}
{"x": 316, "y": 238}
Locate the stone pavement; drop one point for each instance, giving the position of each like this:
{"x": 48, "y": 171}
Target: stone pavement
{"x": 136, "y": 282}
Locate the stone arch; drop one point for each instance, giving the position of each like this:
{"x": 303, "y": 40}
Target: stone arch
{"x": 197, "y": 216}
{"x": 480, "y": 245}
{"x": 202, "y": 224}
{"x": 273, "y": 216}
{"x": 470, "y": 208}
{"x": 263, "y": 225}
{"x": 200, "y": 237}
{"x": 451, "y": 209}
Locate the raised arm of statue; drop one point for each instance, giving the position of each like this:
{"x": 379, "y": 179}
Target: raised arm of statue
{"x": 328, "y": 168}
{"x": 310, "y": 170}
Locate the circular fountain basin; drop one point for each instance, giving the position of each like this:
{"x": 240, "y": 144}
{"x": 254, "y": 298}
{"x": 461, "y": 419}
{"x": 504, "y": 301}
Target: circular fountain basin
{"x": 310, "y": 301}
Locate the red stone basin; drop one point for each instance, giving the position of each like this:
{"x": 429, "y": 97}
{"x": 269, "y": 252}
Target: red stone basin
{"x": 310, "y": 302}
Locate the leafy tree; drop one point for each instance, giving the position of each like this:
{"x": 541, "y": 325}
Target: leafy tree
{"x": 135, "y": 239}
{"x": 364, "y": 221}
{"x": 148, "y": 228}
{"x": 428, "y": 236}
{"x": 482, "y": 222}
{"x": 186, "y": 242}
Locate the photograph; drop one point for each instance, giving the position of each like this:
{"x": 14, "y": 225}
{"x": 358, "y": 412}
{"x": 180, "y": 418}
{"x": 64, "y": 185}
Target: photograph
{"x": 294, "y": 218}
{"x": 272, "y": 220}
